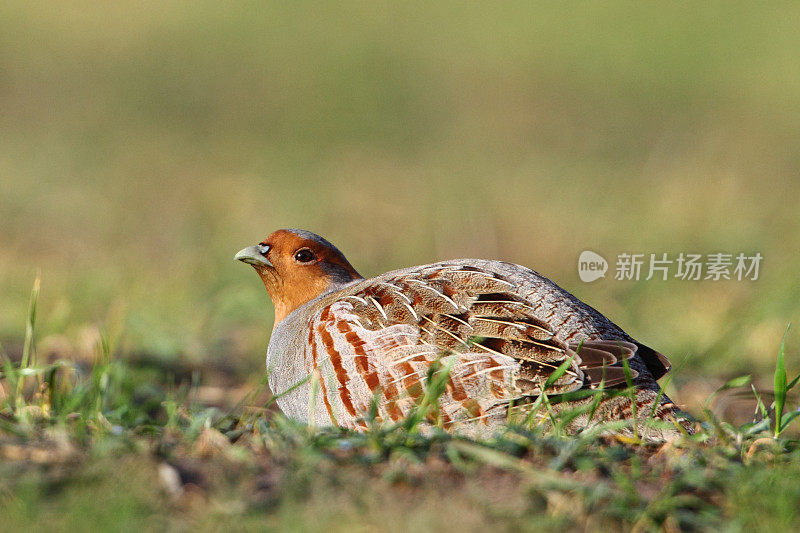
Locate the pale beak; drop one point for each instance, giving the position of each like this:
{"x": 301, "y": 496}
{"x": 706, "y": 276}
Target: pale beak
{"x": 253, "y": 256}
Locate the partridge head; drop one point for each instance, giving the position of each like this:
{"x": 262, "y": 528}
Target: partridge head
{"x": 297, "y": 266}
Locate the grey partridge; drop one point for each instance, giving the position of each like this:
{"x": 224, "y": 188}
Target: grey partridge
{"x": 341, "y": 343}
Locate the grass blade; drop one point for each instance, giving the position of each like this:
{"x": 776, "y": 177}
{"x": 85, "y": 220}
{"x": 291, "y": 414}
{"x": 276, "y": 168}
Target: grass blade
{"x": 780, "y": 384}
{"x": 792, "y": 383}
{"x": 626, "y": 367}
{"x": 786, "y": 420}
{"x": 560, "y": 371}
{"x": 27, "y": 348}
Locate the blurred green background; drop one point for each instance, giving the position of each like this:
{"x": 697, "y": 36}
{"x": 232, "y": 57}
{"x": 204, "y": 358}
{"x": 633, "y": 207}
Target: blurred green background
{"x": 143, "y": 144}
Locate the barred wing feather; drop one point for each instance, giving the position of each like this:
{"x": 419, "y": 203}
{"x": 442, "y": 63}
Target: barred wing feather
{"x": 380, "y": 341}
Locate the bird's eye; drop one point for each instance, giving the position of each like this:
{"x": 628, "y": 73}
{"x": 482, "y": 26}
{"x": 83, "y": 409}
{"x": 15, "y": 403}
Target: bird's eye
{"x": 304, "y": 255}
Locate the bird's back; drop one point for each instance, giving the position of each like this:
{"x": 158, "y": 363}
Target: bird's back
{"x": 507, "y": 325}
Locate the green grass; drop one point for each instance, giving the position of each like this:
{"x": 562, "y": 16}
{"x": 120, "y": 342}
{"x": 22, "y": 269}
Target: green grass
{"x": 142, "y": 145}
{"x": 111, "y": 448}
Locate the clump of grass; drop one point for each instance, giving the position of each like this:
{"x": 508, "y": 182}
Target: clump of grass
{"x": 109, "y": 397}
{"x": 782, "y": 420}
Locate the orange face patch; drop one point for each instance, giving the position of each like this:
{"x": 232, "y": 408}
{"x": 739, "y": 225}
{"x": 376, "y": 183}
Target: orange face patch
{"x": 303, "y": 267}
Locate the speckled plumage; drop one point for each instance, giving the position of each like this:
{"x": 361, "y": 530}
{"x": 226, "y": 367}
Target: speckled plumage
{"x": 503, "y": 328}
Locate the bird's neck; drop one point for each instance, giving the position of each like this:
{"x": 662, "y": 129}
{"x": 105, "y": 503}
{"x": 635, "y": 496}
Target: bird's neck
{"x": 288, "y": 295}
